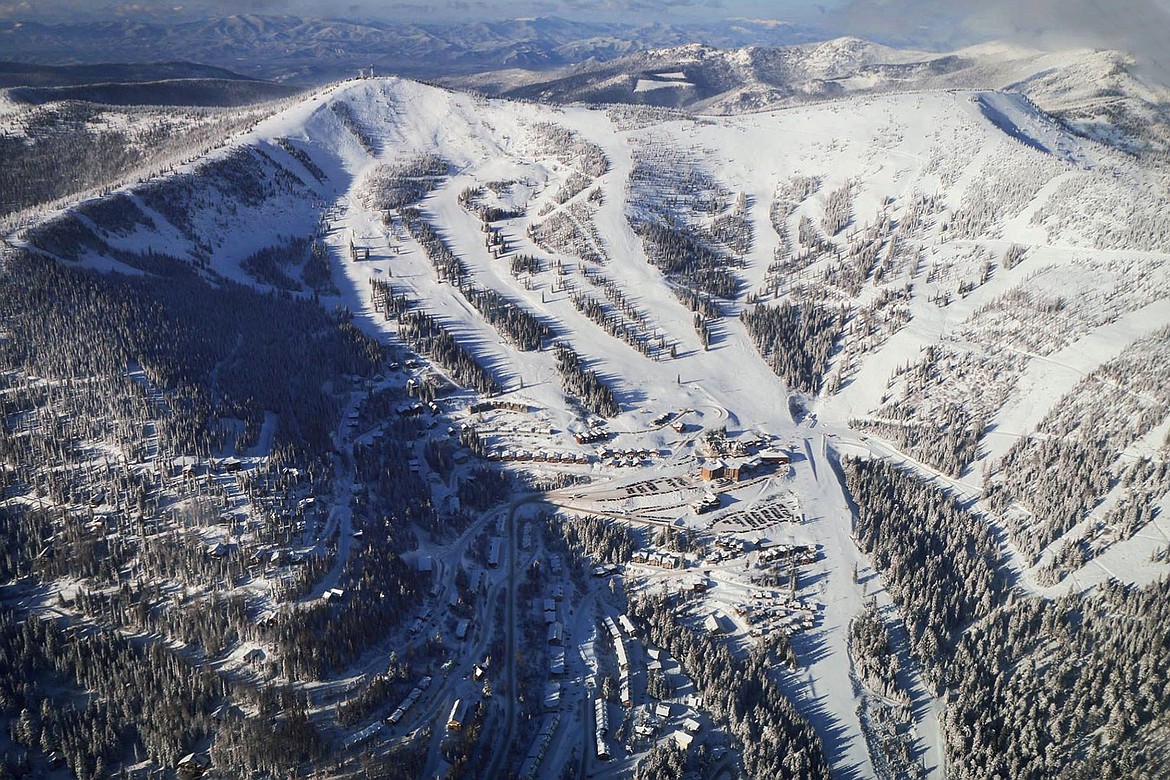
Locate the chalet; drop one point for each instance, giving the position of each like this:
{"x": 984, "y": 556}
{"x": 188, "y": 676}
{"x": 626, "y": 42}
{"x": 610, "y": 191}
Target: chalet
{"x": 683, "y": 739}
{"x": 708, "y": 502}
{"x": 591, "y": 437}
{"x": 193, "y": 765}
{"x": 662, "y": 710}
{"x": 774, "y": 456}
{"x": 691, "y": 726}
{"x": 713, "y": 624}
{"x": 556, "y": 633}
{"x": 461, "y": 628}
{"x": 226, "y": 711}
{"x": 231, "y": 464}
{"x": 186, "y": 466}
{"x": 254, "y": 656}
{"x": 458, "y": 715}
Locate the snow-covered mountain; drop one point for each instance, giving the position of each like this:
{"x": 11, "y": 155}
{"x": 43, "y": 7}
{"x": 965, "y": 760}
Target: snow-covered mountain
{"x": 1097, "y": 92}
{"x": 313, "y": 50}
{"x": 938, "y": 223}
{"x": 915, "y": 270}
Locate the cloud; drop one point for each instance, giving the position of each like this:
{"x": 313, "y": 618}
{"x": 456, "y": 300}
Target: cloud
{"x": 1138, "y": 25}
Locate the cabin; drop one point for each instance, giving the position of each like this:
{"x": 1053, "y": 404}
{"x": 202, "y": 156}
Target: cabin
{"x": 193, "y": 765}
{"x": 458, "y": 715}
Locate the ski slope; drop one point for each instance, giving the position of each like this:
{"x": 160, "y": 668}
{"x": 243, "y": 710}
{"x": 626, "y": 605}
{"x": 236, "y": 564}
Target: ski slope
{"x": 998, "y": 169}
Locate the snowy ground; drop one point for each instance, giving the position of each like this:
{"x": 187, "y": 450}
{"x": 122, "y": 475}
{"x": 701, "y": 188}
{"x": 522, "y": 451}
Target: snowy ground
{"x": 891, "y": 147}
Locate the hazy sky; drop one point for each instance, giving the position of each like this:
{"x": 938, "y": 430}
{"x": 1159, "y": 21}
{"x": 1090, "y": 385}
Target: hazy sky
{"x": 1142, "y": 26}
{"x": 423, "y": 10}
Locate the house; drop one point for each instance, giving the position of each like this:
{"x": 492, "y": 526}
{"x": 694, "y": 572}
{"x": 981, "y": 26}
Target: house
{"x": 552, "y": 696}
{"x": 193, "y": 765}
{"x": 254, "y": 656}
{"x": 461, "y": 629}
{"x": 691, "y": 726}
{"x": 362, "y": 736}
{"x": 494, "y": 553}
{"x": 774, "y": 456}
{"x": 458, "y": 715}
{"x": 662, "y": 710}
{"x": 556, "y": 661}
{"x": 683, "y": 739}
{"x": 556, "y": 633}
{"x": 713, "y": 624}
{"x": 425, "y": 564}
{"x": 708, "y": 502}
{"x": 226, "y": 711}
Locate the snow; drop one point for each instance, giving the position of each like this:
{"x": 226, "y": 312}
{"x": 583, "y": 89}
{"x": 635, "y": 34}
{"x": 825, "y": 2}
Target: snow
{"x": 889, "y": 146}
{"x": 649, "y": 85}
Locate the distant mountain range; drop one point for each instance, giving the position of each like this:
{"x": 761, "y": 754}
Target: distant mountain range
{"x": 1097, "y": 93}
{"x": 736, "y": 66}
{"x": 291, "y": 48}
{"x": 155, "y": 84}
